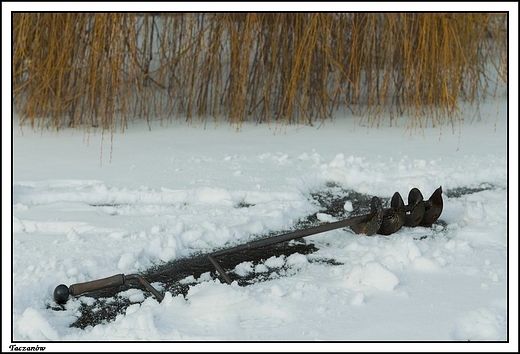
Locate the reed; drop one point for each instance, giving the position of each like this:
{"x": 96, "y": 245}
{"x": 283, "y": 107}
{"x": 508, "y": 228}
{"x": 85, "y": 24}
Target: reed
{"x": 102, "y": 70}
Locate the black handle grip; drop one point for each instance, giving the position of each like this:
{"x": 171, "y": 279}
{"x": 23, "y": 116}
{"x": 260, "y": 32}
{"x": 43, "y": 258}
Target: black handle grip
{"x": 80, "y": 288}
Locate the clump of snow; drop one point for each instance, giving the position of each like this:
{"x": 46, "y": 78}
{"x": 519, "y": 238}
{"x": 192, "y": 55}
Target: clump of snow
{"x": 371, "y": 276}
{"x": 325, "y": 217}
{"x": 275, "y": 262}
{"x": 134, "y": 295}
{"x": 244, "y": 268}
{"x": 348, "y": 206}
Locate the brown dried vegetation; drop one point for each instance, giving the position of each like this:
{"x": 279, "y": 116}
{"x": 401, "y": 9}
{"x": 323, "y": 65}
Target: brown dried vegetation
{"x": 101, "y": 70}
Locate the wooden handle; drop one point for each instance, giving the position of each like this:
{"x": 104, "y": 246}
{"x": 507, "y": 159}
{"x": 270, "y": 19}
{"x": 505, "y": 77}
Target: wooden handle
{"x": 80, "y": 288}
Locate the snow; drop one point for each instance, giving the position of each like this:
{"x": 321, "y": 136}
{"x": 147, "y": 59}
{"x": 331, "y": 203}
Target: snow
{"x": 84, "y": 210}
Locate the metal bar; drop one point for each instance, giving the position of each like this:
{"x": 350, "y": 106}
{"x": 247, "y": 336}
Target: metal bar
{"x": 284, "y": 237}
{"x": 295, "y": 234}
{"x": 219, "y": 269}
{"x": 146, "y": 284}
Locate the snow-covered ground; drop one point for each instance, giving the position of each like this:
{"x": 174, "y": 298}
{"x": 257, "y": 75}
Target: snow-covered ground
{"x": 82, "y": 212}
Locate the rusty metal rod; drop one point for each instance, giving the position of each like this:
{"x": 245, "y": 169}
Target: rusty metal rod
{"x": 284, "y": 237}
{"x": 219, "y": 268}
{"x": 295, "y": 234}
{"x": 147, "y": 285}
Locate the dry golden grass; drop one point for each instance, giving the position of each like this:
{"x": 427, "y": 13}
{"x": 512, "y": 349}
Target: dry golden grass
{"x": 100, "y": 70}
